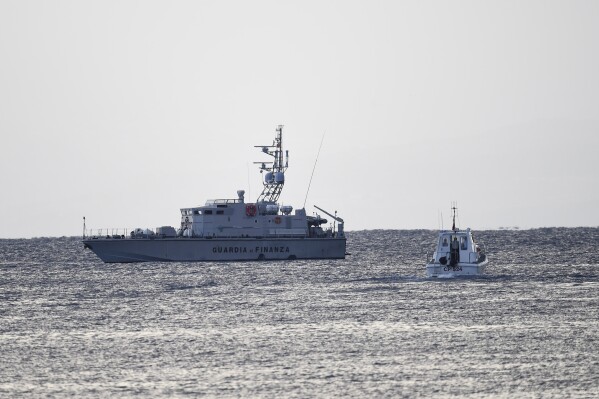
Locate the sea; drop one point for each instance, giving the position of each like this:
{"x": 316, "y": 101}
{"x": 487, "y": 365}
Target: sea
{"x": 372, "y": 325}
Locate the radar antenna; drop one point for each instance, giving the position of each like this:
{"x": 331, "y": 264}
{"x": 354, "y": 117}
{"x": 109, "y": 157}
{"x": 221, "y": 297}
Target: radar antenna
{"x": 274, "y": 172}
{"x": 454, "y": 208}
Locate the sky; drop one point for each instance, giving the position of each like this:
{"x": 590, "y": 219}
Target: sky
{"x": 126, "y": 111}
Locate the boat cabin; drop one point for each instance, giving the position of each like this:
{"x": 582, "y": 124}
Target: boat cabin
{"x": 455, "y": 247}
{"x": 236, "y": 218}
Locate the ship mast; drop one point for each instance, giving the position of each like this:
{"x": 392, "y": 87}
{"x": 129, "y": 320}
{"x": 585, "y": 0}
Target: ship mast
{"x": 454, "y": 208}
{"x": 274, "y": 172}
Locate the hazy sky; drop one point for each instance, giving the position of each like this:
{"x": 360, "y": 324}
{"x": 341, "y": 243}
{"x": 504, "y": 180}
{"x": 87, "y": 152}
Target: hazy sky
{"x": 126, "y": 111}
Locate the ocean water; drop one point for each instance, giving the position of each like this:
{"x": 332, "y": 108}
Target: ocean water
{"x": 372, "y": 325}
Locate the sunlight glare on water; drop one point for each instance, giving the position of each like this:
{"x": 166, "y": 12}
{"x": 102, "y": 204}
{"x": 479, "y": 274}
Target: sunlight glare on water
{"x": 371, "y": 325}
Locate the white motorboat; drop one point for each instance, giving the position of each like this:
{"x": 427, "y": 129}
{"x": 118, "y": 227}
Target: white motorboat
{"x": 457, "y": 254}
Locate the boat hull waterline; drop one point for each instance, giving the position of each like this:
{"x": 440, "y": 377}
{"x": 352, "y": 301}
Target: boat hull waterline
{"x": 461, "y": 269}
{"x": 203, "y": 249}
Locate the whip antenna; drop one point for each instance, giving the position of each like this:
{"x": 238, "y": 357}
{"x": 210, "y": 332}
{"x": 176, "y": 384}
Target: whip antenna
{"x": 314, "y": 168}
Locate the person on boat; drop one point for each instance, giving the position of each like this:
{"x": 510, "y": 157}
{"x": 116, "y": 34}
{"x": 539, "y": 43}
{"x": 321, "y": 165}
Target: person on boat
{"x": 455, "y": 252}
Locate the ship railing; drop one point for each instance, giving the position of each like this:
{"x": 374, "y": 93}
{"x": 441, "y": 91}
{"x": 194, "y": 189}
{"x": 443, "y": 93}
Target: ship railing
{"x": 429, "y": 257}
{"x": 482, "y": 246}
{"x": 473, "y": 257}
{"x": 222, "y": 201}
{"x": 119, "y": 233}
{"x": 289, "y": 235}
{"x": 137, "y": 233}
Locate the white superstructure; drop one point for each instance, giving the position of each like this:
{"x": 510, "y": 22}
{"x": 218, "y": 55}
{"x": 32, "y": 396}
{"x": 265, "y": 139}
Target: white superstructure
{"x": 264, "y": 218}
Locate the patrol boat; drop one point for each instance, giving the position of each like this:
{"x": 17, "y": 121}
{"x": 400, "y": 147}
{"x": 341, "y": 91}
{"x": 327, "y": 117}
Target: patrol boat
{"x": 457, "y": 254}
{"x": 233, "y": 229}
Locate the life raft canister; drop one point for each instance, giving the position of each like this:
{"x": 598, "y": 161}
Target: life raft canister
{"x": 250, "y": 210}
{"x": 278, "y": 220}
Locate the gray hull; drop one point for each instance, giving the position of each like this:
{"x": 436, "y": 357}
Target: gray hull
{"x": 202, "y": 249}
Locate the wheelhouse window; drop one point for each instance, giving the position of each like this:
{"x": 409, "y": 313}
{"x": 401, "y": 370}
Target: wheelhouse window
{"x": 220, "y": 212}
{"x": 208, "y": 212}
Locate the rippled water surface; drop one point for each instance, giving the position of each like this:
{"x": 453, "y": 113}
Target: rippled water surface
{"x": 372, "y": 325}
